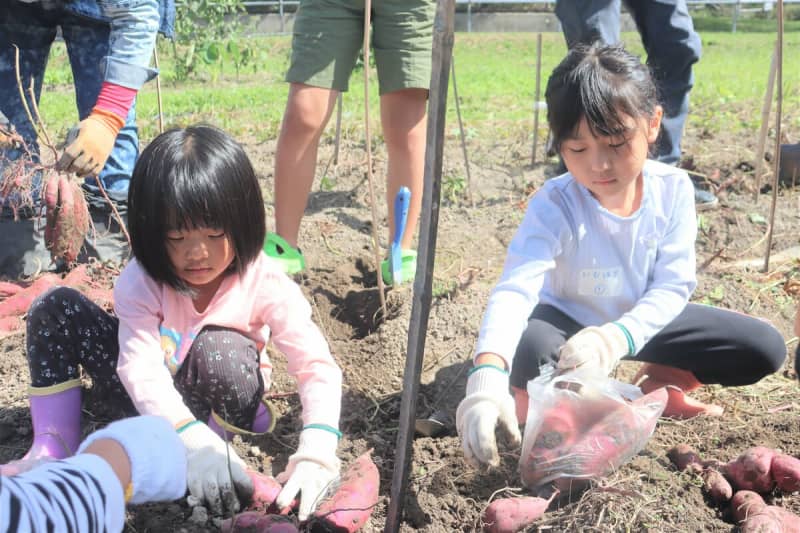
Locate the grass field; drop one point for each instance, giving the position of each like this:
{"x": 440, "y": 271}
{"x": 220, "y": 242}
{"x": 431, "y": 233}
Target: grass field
{"x": 495, "y": 75}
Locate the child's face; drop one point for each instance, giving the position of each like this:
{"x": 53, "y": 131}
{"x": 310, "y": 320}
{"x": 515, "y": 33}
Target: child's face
{"x": 610, "y": 167}
{"x": 200, "y": 256}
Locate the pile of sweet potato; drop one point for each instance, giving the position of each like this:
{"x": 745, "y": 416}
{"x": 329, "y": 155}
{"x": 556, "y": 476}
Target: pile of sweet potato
{"x": 740, "y": 483}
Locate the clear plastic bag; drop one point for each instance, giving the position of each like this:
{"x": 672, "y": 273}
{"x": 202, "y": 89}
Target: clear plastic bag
{"x": 582, "y": 426}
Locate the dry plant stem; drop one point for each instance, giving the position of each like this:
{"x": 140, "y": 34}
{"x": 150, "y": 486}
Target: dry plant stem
{"x": 48, "y": 140}
{"x": 35, "y": 123}
{"x": 158, "y": 94}
{"x": 113, "y": 209}
{"x": 778, "y": 116}
{"x": 765, "y": 109}
{"x": 375, "y": 245}
{"x": 463, "y": 137}
{"x": 536, "y": 98}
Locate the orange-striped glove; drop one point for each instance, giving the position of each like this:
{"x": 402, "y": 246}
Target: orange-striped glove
{"x": 87, "y": 154}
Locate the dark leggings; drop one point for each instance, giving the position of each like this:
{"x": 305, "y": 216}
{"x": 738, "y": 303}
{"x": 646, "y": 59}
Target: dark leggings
{"x": 66, "y": 330}
{"x": 716, "y": 345}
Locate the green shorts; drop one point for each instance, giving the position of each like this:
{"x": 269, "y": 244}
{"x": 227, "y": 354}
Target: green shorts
{"x": 328, "y": 35}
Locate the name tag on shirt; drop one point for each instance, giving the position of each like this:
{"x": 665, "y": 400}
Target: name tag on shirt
{"x": 600, "y": 282}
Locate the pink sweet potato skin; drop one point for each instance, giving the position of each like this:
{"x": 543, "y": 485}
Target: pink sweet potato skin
{"x": 751, "y": 470}
{"x": 349, "y": 508}
{"x": 509, "y": 515}
{"x": 764, "y": 522}
{"x": 265, "y": 490}
{"x": 746, "y": 503}
{"x": 785, "y": 471}
{"x": 684, "y": 457}
{"x": 717, "y": 486}
{"x": 257, "y": 522}
{"x": 790, "y": 522}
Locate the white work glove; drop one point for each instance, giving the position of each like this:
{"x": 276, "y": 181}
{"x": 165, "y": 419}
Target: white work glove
{"x": 596, "y": 347}
{"x": 158, "y": 472}
{"x": 210, "y": 477}
{"x": 487, "y": 404}
{"x": 310, "y": 471}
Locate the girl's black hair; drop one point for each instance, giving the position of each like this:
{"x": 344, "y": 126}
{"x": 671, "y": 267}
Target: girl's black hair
{"x": 602, "y": 83}
{"x": 193, "y": 177}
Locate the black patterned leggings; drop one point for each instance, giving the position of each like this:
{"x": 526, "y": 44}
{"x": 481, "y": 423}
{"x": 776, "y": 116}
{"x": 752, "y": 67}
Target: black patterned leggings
{"x": 65, "y": 331}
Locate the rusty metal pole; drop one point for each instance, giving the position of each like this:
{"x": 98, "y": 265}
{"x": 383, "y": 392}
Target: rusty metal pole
{"x": 422, "y": 296}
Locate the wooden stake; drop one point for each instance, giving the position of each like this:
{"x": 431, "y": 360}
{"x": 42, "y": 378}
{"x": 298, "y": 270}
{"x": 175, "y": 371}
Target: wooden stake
{"x": 422, "y": 295}
{"x": 778, "y": 117}
{"x": 375, "y": 243}
{"x": 463, "y": 137}
{"x": 762, "y": 134}
{"x": 536, "y": 98}
{"x": 338, "y": 137}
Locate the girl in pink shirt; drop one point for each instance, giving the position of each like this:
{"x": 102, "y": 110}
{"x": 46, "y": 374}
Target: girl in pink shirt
{"x": 194, "y": 310}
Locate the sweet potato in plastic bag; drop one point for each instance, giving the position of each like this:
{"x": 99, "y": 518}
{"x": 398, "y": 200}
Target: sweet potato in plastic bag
{"x": 582, "y": 426}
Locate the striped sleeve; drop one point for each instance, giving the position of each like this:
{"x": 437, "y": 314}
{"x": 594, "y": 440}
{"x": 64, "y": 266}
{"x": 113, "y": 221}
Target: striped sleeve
{"x": 79, "y": 494}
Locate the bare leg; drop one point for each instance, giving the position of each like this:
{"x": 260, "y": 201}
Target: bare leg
{"x": 404, "y": 120}
{"x": 307, "y": 112}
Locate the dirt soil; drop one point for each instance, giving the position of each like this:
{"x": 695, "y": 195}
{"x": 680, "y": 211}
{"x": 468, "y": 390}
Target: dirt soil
{"x": 445, "y": 494}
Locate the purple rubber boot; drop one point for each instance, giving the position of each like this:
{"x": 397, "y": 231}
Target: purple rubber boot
{"x": 56, "y": 419}
{"x": 263, "y": 422}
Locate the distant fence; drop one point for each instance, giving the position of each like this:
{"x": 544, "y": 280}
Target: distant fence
{"x": 738, "y": 6}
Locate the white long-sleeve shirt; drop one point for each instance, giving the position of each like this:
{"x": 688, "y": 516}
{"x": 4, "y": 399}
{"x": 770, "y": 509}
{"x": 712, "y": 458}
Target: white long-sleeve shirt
{"x": 81, "y": 493}
{"x": 596, "y": 267}
{"x": 157, "y": 326}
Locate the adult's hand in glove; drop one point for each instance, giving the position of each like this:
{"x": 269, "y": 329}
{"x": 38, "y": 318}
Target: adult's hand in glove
{"x": 310, "y": 471}
{"x": 158, "y": 473}
{"x": 88, "y": 152}
{"x": 596, "y": 347}
{"x": 211, "y": 478}
{"x": 487, "y": 404}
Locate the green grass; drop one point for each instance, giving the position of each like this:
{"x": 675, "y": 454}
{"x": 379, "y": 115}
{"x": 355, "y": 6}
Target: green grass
{"x": 495, "y": 74}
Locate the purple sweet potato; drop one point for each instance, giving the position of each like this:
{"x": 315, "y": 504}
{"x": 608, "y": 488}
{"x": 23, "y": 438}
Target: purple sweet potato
{"x": 258, "y": 522}
{"x": 751, "y": 470}
{"x": 771, "y": 519}
{"x": 265, "y": 491}
{"x": 790, "y": 522}
{"x": 684, "y": 457}
{"x": 350, "y": 506}
{"x": 785, "y": 471}
{"x": 746, "y": 503}
{"x": 717, "y": 486}
{"x": 509, "y": 515}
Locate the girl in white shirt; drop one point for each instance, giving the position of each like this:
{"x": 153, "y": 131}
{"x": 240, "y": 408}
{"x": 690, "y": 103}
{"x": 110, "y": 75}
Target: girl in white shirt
{"x": 603, "y": 265}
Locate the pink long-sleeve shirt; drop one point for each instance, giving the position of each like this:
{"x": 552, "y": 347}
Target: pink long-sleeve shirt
{"x": 157, "y": 326}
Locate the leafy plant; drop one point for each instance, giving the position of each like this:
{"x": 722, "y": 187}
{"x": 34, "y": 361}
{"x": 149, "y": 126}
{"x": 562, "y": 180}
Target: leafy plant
{"x": 202, "y": 27}
{"x": 453, "y": 187}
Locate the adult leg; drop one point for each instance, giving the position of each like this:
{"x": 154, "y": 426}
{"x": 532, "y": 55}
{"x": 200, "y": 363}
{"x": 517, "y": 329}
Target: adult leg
{"x": 87, "y": 44}
{"x": 404, "y": 120}
{"x": 308, "y": 110}
{"x": 221, "y": 378}
{"x": 708, "y": 345}
{"x": 65, "y": 330}
{"x": 587, "y": 21}
{"x": 548, "y": 329}
{"x": 672, "y": 48}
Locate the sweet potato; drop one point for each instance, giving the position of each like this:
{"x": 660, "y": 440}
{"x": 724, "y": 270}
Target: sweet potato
{"x": 684, "y": 457}
{"x": 509, "y": 515}
{"x": 265, "y": 491}
{"x": 751, "y": 470}
{"x": 257, "y": 522}
{"x": 746, "y": 503}
{"x": 764, "y": 522}
{"x": 785, "y": 471}
{"x": 352, "y": 503}
{"x": 790, "y": 522}
{"x": 717, "y": 486}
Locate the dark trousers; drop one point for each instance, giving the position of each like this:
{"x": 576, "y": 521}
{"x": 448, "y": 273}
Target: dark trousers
{"x": 671, "y": 44}
{"x": 65, "y": 331}
{"x": 716, "y": 345}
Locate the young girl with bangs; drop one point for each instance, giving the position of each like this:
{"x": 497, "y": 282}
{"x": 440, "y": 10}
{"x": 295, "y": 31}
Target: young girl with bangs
{"x": 603, "y": 265}
{"x": 194, "y": 310}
